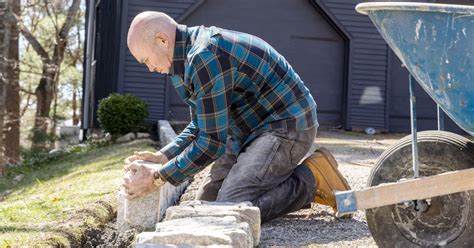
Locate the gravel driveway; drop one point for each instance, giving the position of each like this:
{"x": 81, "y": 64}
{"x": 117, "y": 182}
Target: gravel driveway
{"x": 356, "y": 153}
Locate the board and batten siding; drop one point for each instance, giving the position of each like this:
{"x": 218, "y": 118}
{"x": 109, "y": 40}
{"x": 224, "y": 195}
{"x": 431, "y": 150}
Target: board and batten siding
{"x": 135, "y": 78}
{"x": 367, "y": 92}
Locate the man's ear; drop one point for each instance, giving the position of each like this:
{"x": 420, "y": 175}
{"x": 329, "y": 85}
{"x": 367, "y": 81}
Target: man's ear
{"x": 162, "y": 39}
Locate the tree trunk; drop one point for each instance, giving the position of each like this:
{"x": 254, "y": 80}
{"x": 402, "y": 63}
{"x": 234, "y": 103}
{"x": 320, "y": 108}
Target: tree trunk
{"x": 3, "y": 53}
{"x": 12, "y": 71}
{"x": 75, "y": 117}
{"x": 44, "y": 97}
{"x": 48, "y": 82}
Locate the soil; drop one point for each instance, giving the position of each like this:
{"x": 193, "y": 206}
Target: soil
{"x": 108, "y": 236}
{"x": 356, "y": 153}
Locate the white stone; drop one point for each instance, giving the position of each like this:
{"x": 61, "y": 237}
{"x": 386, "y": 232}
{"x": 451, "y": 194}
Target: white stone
{"x": 143, "y": 135}
{"x": 68, "y": 135}
{"x": 244, "y": 212}
{"x": 125, "y": 138}
{"x": 166, "y": 132}
{"x": 200, "y": 231}
{"x": 65, "y": 131}
{"x": 169, "y": 193}
{"x": 19, "y": 177}
{"x": 141, "y": 213}
{"x": 55, "y": 151}
{"x": 107, "y": 137}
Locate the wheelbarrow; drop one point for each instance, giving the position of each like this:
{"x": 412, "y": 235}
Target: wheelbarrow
{"x": 421, "y": 190}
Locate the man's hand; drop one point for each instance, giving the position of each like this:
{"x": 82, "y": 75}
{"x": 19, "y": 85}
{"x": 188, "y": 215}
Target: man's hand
{"x": 139, "y": 179}
{"x": 154, "y": 157}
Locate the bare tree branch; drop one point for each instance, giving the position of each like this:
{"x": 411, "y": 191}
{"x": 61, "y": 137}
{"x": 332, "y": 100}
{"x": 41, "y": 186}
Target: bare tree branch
{"x": 30, "y": 37}
{"x": 27, "y": 91}
{"x": 48, "y": 12}
{"x": 69, "y": 19}
{"x": 31, "y": 72}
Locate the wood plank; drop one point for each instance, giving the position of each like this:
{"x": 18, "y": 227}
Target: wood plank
{"x": 413, "y": 189}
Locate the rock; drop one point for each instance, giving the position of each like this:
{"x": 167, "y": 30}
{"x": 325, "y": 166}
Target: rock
{"x": 170, "y": 195}
{"x": 107, "y": 137}
{"x": 55, "y": 151}
{"x": 140, "y": 213}
{"x": 243, "y": 212}
{"x": 166, "y": 132}
{"x": 19, "y": 177}
{"x": 143, "y": 135}
{"x": 76, "y": 148}
{"x": 65, "y": 131}
{"x": 68, "y": 135}
{"x": 199, "y": 231}
{"x": 125, "y": 138}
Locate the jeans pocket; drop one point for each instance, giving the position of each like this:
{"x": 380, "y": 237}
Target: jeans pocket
{"x": 274, "y": 144}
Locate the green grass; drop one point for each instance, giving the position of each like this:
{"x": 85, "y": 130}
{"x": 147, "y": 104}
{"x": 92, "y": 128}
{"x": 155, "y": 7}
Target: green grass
{"x": 53, "y": 204}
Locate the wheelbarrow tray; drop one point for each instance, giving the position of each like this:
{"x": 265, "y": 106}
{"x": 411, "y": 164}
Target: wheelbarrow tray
{"x": 436, "y": 44}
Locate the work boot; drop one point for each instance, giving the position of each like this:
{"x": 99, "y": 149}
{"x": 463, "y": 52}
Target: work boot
{"x": 328, "y": 178}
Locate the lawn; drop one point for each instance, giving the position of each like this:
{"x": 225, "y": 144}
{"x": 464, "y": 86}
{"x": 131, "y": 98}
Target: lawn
{"x": 53, "y": 205}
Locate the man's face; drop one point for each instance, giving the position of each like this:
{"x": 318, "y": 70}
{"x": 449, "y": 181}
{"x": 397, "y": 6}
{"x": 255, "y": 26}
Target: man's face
{"x": 153, "y": 55}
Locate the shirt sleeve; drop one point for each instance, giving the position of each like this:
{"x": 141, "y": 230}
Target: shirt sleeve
{"x": 211, "y": 78}
{"x": 183, "y": 140}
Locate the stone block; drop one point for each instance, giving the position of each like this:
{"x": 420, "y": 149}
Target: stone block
{"x": 65, "y": 131}
{"x": 143, "y": 135}
{"x": 200, "y": 231}
{"x": 169, "y": 195}
{"x": 141, "y": 213}
{"x": 243, "y": 212}
{"x": 125, "y": 138}
{"x": 166, "y": 132}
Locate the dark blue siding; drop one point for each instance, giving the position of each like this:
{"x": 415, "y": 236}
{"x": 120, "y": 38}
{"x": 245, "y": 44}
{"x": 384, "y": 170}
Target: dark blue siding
{"x": 134, "y": 77}
{"x": 107, "y": 59}
{"x": 368, "y": 60}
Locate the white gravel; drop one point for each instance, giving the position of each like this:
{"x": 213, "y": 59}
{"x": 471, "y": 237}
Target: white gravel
{"x": 356, "y": 153}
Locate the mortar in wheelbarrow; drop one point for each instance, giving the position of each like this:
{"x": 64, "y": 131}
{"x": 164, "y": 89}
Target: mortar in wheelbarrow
{"x": 436, "y": 44}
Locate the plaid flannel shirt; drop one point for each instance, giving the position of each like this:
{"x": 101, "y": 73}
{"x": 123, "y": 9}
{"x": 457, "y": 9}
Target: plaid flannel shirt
{"x": 237, "y": 86}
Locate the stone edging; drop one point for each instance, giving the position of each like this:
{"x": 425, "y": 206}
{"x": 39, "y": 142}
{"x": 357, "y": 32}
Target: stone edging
{"x": 169, "y": 194}
{"x": 194, "y": 223}
{"x": 203, "y": 224}
{"x": 146, "y": 211}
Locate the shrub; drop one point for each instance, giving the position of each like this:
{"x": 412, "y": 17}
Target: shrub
{"x": 121, "y": 114}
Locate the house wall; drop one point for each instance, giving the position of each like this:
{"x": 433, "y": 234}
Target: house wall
{"x": 356, "y": 79}
{"x": 314, "y": 47}
{"x": 107, "y": 43}
{"x": 135, "y": 77}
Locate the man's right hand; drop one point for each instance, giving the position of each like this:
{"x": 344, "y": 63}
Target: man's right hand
{"x": 153, "y": 157}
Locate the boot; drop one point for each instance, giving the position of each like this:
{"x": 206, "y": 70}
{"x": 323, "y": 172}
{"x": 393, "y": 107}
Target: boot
{"x": 328, "y": 178}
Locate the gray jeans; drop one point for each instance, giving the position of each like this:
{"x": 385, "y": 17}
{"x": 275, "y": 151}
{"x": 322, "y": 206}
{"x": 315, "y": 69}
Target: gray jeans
{"x": 265, "y": 173}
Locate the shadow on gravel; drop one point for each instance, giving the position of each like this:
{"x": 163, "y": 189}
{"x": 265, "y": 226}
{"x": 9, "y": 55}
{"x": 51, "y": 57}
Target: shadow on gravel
{"x": 293, "y": 231}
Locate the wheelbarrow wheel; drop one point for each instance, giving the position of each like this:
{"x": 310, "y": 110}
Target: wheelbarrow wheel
{"x": 441, "y": 221}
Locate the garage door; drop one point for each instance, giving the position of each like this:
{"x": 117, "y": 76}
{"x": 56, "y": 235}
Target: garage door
{"x": 295, "y": 29}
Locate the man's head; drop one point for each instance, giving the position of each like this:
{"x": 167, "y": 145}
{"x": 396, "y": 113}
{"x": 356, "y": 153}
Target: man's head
{"x": 151, "y": 40}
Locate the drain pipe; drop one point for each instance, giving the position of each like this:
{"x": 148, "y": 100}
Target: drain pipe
{"x": 87, "y": 79}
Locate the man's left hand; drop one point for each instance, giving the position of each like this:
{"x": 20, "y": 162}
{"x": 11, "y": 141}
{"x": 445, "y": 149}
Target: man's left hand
{"x": 139, "y": 179}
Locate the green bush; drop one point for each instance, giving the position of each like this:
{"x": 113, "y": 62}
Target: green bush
{"x": 121, "y": 114}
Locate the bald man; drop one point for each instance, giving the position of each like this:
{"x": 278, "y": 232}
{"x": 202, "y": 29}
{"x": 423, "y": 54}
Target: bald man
{"x": 251, "y": 114}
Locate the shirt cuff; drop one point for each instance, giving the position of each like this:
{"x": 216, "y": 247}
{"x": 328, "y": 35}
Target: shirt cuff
{"x": 171, "y": 173}
{"x": 171, "y": 150}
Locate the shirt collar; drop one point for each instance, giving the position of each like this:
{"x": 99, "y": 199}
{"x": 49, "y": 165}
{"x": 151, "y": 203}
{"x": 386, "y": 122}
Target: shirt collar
{"x": 179, "y": 54}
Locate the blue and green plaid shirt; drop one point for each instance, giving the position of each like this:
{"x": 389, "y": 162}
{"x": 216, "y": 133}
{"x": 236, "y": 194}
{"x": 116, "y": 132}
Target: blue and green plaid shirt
{"x": 237, "y": 86}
